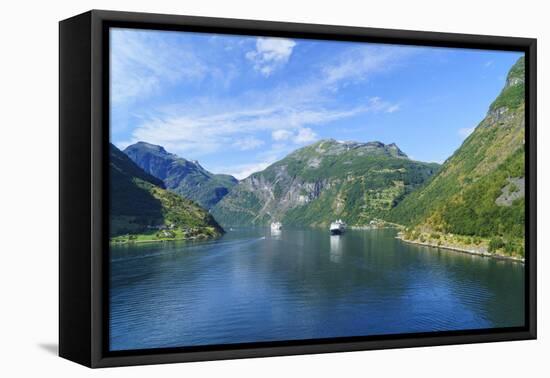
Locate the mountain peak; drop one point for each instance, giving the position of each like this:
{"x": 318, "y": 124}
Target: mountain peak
{"x": 394, "y": 148}
{"x": 516, "y": 75}
{"x": 185, "y": 177}
{"x": 336, "y": 147}
{"x": 512, "y": 95}
{"x": 145, "y": 146}
{"x": 122, "y": 163}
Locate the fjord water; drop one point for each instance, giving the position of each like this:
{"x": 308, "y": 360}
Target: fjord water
{"x": 252, "y": 286}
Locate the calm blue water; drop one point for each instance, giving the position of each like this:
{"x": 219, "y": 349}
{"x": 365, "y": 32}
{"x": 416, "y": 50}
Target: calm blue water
{"x": 252, "y": 286}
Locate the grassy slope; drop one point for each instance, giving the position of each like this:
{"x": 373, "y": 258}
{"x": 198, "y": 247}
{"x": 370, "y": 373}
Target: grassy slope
{"x": 460, "y": 199}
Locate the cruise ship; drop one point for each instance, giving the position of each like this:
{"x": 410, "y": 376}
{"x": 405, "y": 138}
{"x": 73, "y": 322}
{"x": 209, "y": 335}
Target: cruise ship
{"x": 276, "y": 226}
{"x": 338, "y": 227}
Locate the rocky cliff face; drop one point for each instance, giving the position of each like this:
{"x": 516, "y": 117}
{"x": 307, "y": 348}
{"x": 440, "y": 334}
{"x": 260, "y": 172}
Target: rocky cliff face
{"x": 181, "y": 176}
{"x": 326, "y": 180}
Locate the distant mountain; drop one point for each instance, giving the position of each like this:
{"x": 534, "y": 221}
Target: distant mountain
{"x": 479, "y": 190}
{"x": 324, "y": 181}
{"x": 181, "y": 176}
{"x": 139, "y": 202}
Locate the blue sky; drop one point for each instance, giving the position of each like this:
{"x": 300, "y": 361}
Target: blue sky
{"x": 237, "y": 104}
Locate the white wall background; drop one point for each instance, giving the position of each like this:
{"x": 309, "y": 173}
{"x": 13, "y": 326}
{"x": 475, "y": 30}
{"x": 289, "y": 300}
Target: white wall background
{"x": 29, "y": 184}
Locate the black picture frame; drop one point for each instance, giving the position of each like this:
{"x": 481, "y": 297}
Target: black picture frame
{"x": 83, "y": 181}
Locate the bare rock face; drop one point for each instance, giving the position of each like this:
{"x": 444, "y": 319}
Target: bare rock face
{"x": 511, "y": 81}
{"x": 499, "y": 114}
{"x": 513, "y": 191}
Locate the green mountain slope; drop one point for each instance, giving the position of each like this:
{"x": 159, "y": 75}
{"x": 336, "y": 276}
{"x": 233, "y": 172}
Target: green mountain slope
{"x": 181, "y": 176}
{"x": 326, "y": 180}
{"x": 140, "y": 206}
{"x": 479, "y": 190}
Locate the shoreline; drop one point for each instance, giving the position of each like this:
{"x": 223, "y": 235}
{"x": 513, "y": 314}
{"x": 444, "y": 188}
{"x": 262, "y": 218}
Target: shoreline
{"x": 398, "y": 236}
{"x": 367, "y": 228}
{"x": 464, "y": 250}
{"x": 159, "y": 241}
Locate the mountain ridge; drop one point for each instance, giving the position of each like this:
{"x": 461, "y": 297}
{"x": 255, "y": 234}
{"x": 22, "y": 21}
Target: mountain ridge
{"x": 185, "y": 177}
{"x": 325, "y": 179}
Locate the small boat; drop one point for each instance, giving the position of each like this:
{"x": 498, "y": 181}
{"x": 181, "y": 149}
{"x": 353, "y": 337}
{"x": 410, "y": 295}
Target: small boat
{"x": 276, "y": 226}
{"x": 338, "y": 227}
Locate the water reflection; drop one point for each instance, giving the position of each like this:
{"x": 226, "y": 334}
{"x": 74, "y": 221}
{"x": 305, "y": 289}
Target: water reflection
{"x": 336, "y": 248}
{"x": 276, "y": 233}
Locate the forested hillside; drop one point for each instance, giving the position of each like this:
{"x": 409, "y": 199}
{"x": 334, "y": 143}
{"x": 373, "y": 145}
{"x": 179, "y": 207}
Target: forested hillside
{"x": 480, "y": 190}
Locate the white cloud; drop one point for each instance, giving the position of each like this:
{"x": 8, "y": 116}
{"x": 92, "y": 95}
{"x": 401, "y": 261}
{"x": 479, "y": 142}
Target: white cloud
{"x": 193, "y": 134}
{"x": 205, "y": 124}
{"x": 270, "y": 54}
{"x": 290, "y": 113}
{"x": 197, "y": 129}
{"x": 244, "y": 170}
{"x": 262, "y": 160}
{"x": 305, "y": 135}
{"x": 248, "y": 143}
{"x": 302, "y": 135}
{"x": 361, "y": 62}
{"x": 392, "y": 108}
{"x": 465, "y": 131}
{"x": 280, "y": 135}
{"x": 142, "y": 63}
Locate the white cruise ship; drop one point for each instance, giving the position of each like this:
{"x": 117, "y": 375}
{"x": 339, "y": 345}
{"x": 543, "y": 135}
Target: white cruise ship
{"x": 276, "y": 226}
{"x": 338, "y": 227}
